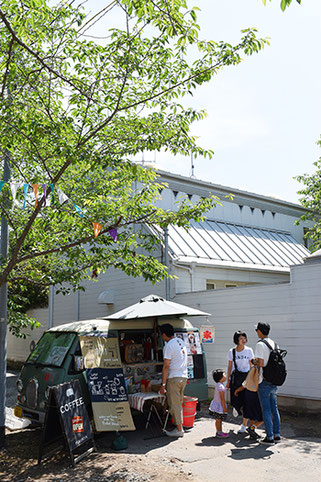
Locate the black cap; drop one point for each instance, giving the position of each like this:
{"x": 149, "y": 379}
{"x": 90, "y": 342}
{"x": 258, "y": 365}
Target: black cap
{"x": 263, "y": 327}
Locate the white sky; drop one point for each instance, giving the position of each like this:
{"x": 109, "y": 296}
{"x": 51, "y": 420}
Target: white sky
{"x": 264, "y": 114}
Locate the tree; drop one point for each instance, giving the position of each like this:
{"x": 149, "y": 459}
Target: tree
{"x": 311, "y": 201}
{"x": 74, "y": 112}
{"x": 284, "y": 3}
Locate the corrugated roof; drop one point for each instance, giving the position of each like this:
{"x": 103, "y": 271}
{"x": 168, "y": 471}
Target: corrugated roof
{"x": 229, "y": 244}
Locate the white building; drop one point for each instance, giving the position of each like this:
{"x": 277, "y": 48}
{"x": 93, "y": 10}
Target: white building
{"x": 247, "y": 243}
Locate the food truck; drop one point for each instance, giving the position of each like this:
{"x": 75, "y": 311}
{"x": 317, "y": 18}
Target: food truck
{"x": 58, "y": 358}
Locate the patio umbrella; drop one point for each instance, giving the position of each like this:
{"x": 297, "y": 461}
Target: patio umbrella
{"x": 155, "y": 306}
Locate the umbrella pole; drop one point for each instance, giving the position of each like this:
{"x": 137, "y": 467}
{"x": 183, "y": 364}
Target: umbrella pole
{"x": 155, "y": 339}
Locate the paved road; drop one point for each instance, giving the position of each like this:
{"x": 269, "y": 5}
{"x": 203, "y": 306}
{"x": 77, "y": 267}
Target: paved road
{"x": 208, "y": 459}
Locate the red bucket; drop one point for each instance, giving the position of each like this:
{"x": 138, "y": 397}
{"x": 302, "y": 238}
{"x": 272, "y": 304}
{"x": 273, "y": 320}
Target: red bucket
{"x": 189, "y": 411}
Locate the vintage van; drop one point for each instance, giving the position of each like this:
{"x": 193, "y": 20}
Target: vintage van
{"x": 57, "y": 358}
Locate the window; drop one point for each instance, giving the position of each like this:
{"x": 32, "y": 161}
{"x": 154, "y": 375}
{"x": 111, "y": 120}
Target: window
{"x": 230, "y": 285}
{"x": 210, "y": 285}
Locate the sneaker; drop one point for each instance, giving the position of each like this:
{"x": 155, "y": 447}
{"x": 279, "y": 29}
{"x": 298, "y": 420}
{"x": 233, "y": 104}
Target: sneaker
{"x": 222, "y": 435}
{"x": 252, "y": 433}
{"x": 241, "y": 429}
{"x": 266, "y": 441}
{"x": 235, "y": 412}
{"x": 175, "y": 433}
{"x": 277, "y": 438}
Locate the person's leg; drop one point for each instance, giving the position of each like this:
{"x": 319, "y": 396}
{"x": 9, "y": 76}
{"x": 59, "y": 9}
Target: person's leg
{"x": 174, "y": 401}
{"x": 264, "y": 392}
{"x": 181, "y": 388}
{"x": 218, "y": 425}
{"x": 275, "y": 412}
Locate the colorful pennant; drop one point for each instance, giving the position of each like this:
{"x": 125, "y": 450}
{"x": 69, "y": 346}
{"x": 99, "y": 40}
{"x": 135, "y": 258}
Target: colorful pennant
{"x": 25, "y": 190}
{"x": 113, "y": 234}
{"x": 35, "y": 190}
{"x": 62, "y": 197}
{"x": 80, "y": 212}
{"x": 97, "y": 229}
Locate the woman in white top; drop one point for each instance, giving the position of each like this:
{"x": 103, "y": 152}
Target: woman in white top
{"x": 239, "y": 363}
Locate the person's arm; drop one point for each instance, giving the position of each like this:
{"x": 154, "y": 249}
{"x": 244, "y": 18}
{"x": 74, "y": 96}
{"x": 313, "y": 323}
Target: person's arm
{"x": 222, "y": 396}
{"x": 259, "y": 360}
{"x": 164, "y": 375}
{"x": 229, "y": 371}
{"x": 238, "y": 390}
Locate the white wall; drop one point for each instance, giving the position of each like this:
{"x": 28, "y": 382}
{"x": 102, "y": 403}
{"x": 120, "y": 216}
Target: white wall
{"x": 194, "y": 279}
{"x": 294, "y": 312}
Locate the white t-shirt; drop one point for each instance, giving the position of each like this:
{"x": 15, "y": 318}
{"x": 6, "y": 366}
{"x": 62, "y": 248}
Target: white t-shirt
{"x": 175, "y": 350}
{"x": 242, "y": 358}
{"x": 263, "y": 351}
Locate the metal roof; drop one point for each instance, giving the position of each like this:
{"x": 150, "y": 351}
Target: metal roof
{"x": 234, "y": 245}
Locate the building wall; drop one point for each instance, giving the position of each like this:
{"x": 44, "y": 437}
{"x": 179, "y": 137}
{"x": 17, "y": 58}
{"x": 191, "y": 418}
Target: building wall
{"x": 294, "y": 311}
{"x": 126, "y": 290}
{"x": 194, "y": 278}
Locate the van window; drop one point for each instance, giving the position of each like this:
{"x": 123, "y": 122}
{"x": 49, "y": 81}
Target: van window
{"x": 52, "y": 348}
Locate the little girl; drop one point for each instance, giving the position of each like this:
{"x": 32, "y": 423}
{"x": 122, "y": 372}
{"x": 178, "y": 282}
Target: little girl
{"x": 218, "y": 405}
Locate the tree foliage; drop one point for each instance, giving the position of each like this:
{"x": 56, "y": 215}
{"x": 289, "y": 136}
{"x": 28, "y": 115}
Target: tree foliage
{"x": 311, "y": 201}
{"x": 284, "y": 3}
{"x": 74, "y": 111}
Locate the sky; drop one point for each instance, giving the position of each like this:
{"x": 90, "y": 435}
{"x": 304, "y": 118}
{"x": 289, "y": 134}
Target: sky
{"x": 263, "y": 115}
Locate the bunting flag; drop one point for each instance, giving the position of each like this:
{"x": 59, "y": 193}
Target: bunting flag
{"x": 113, "y": 234}
{"x": 35, "y": 190}
{"x": 97, "y": 229}
{"x": 61, "y": 196}
{"x": 44, "y": 188}
{"x": 80, "y": 212}
{"x": 14, "y": 186}
{"x": 52, "y": 187}
{"x": 25, "y": 190}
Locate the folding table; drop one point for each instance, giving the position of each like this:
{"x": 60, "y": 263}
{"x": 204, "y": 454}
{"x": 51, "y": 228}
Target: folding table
{"x": 137, "y": 400}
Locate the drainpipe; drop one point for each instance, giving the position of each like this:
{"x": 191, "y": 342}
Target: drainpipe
{"x": 167, "y": 280}
{"x": 190, "y": 270}
{"x": 78, "y": 306}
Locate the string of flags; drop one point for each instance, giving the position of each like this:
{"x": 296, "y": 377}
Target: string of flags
{"x": 56, "y": 192}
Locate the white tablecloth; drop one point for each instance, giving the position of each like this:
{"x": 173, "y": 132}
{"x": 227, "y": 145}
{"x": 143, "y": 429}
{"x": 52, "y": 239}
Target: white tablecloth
{"x": 137, "y": 400}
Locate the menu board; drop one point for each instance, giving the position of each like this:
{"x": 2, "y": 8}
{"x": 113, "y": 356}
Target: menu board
{"x": 106, "y": 384}
{"x": 100, "y": 352}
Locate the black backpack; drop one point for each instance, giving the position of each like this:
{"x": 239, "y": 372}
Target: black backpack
{"x": 275, "y": 370}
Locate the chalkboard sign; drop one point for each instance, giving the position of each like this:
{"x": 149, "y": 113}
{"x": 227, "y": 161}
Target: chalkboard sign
{"x": 106, "y": 385}
{"x": 67, "y": 422}
{"x": 109, "y": 399}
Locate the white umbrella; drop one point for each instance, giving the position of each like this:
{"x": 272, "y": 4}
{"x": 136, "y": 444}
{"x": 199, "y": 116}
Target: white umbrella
{"x": 155, "y": 306}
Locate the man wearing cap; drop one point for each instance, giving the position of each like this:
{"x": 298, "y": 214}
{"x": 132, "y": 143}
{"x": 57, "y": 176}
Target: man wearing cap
{"x": 174, "y": 376}
{"x": 267, "y": 391}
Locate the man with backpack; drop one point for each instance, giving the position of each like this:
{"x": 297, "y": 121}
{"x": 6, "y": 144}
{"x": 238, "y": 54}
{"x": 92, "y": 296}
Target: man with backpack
{"x": 272, "y": 374}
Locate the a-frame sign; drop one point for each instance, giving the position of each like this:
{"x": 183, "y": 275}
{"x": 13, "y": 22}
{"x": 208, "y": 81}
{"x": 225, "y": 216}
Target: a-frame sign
{"x": 67, "y": 423}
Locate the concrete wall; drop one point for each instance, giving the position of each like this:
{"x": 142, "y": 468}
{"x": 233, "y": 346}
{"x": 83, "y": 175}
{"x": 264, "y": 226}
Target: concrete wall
{"x": 294, "y": 312}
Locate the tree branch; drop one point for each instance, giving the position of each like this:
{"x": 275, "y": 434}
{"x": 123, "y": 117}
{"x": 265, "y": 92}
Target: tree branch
{"x": 40, "y": 60}
{"x": 7, "y": 67}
